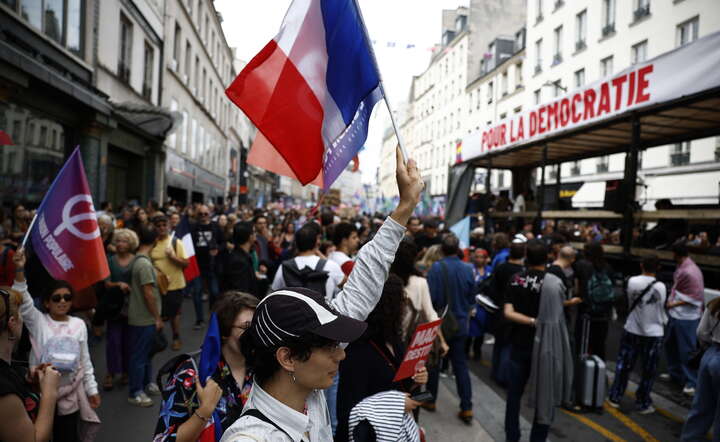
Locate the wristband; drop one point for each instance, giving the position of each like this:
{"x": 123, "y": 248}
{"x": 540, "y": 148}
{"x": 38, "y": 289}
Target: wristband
{"x": 204, "y": 419}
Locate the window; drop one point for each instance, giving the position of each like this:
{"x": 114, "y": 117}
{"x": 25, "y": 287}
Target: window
{"x": 579, "y": 78}
{"x": 60, "y": 20}
{"x": 638, "y": 53}
{"x": 557, "y": 56}
{"x": 172, "y": 138}
{"x": 538, "y": 56}
{"x": 575, "y": 168}
{"x": 504, "y": 83}
{"x": 606, "y": 66}
{"x": 537, "y": 96}
{"x": 557, "y": 88}
{"x": 538, "y": 11}
{"x": 608, "y": 17}
{"x": 680, "y": 154}
{"x": 490, "y": 92}
{"x": 203, "y": 93}
{"x": 196, "y": 86}
{"x": 125, "y": 49}
{"x": 501, "y": 179}
{"x": 687, "y": 32}
{"x": 518, "y": 75}
{"x": 603, "y": 164}
{"x": 642, "y": 9}
{"x": 188, "y": 59}
{"x": 148, "y": 72}
{"x": 176, "y": 45}
{"x": 186, "y": 132}
{"x": 581, "y": 31}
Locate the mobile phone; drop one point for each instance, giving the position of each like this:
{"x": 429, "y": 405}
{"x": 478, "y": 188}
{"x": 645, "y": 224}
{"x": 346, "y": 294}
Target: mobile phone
{"x": 422, "y": 396}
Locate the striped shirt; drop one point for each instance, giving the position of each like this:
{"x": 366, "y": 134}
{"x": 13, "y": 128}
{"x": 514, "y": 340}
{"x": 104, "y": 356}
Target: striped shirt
{"x": 386, "y": 413}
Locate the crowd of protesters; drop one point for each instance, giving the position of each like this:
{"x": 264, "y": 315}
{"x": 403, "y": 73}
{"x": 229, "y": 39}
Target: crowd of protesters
{"x": 289, "y": 286}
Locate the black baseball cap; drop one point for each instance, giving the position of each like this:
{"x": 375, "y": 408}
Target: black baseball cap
{"x": 289, "y": 313}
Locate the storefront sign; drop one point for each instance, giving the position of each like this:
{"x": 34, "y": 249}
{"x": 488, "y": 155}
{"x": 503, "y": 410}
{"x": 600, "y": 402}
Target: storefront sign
{"x": 637, "y": 87}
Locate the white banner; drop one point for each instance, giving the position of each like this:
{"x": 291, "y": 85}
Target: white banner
{"x": 681, "y": 72}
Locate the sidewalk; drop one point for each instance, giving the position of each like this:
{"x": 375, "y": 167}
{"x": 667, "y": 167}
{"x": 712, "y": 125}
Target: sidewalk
{"x": 444, "y": 424}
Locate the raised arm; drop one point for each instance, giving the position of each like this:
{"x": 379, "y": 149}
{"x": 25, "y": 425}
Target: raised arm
{"x": 30, "y": 314}
{"x": 365, "y": 284}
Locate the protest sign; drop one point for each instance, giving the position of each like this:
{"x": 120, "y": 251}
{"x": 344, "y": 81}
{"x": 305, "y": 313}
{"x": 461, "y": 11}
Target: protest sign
{"x": 418, "y": 350}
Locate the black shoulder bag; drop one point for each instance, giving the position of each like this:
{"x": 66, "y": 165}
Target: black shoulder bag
{"x": 642, "y": 294}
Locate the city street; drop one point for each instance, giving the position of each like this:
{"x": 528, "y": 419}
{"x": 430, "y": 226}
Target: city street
{"x": 123, "y": 422}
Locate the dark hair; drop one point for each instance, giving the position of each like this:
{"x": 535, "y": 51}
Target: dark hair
{"x": 430, "y": 223}
{"x": 55, "y": 286}
{"x": 229, "y": 306}
{"x": 517, "y": 250}
{"x": 385, "y": 321}
{"x": 501, "y": 241}
{"x": 306, "y": 237}
{"x": 263, "y": 361}
{"x": 404, "y": 263}
{"x": 450, "y": 245}
{"x": 158, "y": 218}
{"x": 146, "y": 236}
{"x": 680, "y": 250}
{"x": 257, "y": 218}
{"x": 342, "y": 231}
{"x": 413, "y": 218}
{"x": 595, "y": 254}
{"x": 536, "y": 253}
{"x": 242, "y": 232}
{"x": 650, "y": 263}
{"x": 327, "y": 218}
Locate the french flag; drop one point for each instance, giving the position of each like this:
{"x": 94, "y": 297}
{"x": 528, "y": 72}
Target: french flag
{"x": 310, "y": 92}
{"x": 183, "y": 232}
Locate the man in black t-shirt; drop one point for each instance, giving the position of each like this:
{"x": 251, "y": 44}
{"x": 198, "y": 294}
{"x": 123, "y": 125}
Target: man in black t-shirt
{"x": 501, "y": 281}
{"x": 521, "y": 308}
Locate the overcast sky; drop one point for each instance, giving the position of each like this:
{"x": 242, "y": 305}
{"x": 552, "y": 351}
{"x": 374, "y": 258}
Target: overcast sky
{"x": 250, "y": 24}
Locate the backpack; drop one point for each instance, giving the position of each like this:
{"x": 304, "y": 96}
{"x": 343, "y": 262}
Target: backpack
{"x": 600, "y": 292}
{"x": 313, "y": 279}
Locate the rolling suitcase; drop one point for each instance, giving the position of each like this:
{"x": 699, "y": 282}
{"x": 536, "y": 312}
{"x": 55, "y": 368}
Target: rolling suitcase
{"x": 591, "y": 372}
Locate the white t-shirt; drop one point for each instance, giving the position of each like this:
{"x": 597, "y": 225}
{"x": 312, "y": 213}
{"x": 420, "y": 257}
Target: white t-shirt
{"x": 335, "y": 274}
{"x": 648, "y": 318}
{"x": 339, "y": 257}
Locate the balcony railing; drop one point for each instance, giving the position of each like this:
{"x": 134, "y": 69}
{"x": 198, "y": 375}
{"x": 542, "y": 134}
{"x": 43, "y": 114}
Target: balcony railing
{"x": 608, "y": 29}
{"x": 679, "y": 158}
{"x": 642, "y": 11}
{"x": 557, "y": 59}
{"x": 580, "y": 45}
{"x": 602, "y": 167}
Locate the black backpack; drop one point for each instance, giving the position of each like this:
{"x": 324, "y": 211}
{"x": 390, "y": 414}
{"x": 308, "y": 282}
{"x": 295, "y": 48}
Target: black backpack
{"x": 313, "y": 279}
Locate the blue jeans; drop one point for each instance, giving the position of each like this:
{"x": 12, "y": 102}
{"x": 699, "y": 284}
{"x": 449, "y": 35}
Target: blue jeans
{"x": 140, "y": 366}
{"x": 519, "y": 372}
{"x": 705, "y": 410}
{"x": 681, "y": 340}
{"x": 331, "y": 398}
{"x": 458, "y": 358}
{"x": 632, "y": 346}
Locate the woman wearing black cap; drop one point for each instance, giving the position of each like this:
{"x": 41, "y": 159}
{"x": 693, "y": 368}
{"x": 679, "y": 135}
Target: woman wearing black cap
{"x": 294, "y": 342}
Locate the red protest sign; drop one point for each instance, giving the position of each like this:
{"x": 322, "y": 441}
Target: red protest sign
{"x": 418, "y": 350}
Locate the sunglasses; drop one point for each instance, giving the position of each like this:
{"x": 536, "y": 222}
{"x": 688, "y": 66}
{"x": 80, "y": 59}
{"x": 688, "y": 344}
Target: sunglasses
{"x": 57, "y": 298}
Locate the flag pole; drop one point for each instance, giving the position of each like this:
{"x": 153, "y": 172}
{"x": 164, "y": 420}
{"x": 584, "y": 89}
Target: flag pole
{"x": 382, "y": 85}
{"x": 27, "y": 234}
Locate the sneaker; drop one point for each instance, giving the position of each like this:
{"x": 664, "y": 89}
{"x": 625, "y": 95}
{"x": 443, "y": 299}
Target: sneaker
{"x": 205, "y": 297}
{"x": 141, "y": 400}
{"x": 689, "y": 391}
{"x": 490, "y": 340}
{"x": 176, "y": 344}
{"x": 665, "y": 377}
{"x": 198, "y": 325}
{"x": 647, "y": 410}
{"x": 613, "y": 403}
{"x": 153, "y": 389}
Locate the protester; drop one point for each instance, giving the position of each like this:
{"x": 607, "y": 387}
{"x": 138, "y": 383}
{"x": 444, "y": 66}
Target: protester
{"x": 501, "y": 248}
{"x": 479, "y": 320}
{"x": 383, "y": 416}
{"x": 117, "y": 288}
{"x": 593, "y": 267}
{"x": 61, "y": 340}
{"x": 428, "y": 236}
{"x": 502, "y": 277}
{"x": 209, "y": 240}
{"x": 168, "y": 256}
{"x": 290, "y": 370}
{"x": 372, "y": 360}
{"x": 706, "y": 403}
{"x": 186, "y": 412}
{"x": 414, "y": 226}
{"x": 643, "y": 335}
{"x": 685, "y": 305}
{"x": 144, "y": 321}
{"x": 452, "y": 287}
{"x": 525, "y": 302}
{"x": 26, "y": 415}
{"x": 346, "y": 241}
{"x": 430, "y": 257}
{"x": 561, "y": 267}
{"x": 238, "y": 270}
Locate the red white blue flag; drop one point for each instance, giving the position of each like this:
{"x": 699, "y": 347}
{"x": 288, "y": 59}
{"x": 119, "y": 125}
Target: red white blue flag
{"x": 310, "y": 92}
{"x": 182, "y": 232}
{"x": 65, "y": 234}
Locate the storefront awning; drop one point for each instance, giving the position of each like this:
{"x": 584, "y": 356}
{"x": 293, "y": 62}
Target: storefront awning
{"x": 674, "y": 97}
{"x": 154, "y": 120}
{"x": 590, "y": 195}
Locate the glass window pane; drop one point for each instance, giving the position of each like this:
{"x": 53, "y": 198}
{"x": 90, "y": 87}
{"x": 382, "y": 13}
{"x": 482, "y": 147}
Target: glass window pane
{"x": 11, "y": 3}
{"x": 54, "y": 19}
{"x": 31, "y": 10}
{"x": 74, "y": 26}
